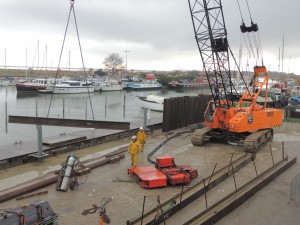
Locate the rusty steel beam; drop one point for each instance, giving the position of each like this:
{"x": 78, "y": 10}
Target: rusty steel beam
{"x": 69, "y": 122}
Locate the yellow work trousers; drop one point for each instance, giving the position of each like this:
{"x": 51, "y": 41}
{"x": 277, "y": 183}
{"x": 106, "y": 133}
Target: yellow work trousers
{"x": 142, "y": 145}
{"x": 133, "y": 158}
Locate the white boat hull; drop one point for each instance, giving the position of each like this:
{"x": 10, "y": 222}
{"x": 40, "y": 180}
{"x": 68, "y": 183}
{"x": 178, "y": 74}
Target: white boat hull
{"x": 148, "y": 104}
{"x": 4, "y": 82}
{"x": 112, "y": 88}
{"x": 72, "y": 90}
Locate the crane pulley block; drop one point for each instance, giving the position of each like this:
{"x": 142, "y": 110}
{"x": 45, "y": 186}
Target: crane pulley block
{"x": 252, "y": 28}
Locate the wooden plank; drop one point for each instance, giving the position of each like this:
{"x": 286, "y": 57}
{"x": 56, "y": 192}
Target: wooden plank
{"x": 31, "y": 195}
{"x": 69, "y": 122}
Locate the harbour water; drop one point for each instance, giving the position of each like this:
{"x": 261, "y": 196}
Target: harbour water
{"x": 106, "y": 106}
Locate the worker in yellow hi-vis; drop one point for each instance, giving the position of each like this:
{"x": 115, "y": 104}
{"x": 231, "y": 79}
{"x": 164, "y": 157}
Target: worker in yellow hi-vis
{"x": 141, "y": 136}
{"x": 133, "y": 149}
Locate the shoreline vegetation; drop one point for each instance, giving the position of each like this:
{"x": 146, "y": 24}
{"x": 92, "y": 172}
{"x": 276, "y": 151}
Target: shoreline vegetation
{"x": 163, "y": 76}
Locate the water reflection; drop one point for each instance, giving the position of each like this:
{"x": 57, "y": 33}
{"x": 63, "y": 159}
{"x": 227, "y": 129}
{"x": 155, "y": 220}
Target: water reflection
{"x": 17, "y": 179}
{"x": 107, "y": 106}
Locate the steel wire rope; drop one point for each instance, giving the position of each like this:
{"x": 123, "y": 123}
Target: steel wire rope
{"x": 241, "y": 75}
{"x": 61, "y": 51}
{"x": 164, "y": 142}
{"x": 87, "y": 86}
{"x": 249, "y": 11}
{"x": 260, "y": 45}
{"x": 256, "y": 45}
{"x": 240, "y": 10}
{"x": 77, "y": 32}
{"x": 246, "y": 43}
{"x": 249, "y": 42}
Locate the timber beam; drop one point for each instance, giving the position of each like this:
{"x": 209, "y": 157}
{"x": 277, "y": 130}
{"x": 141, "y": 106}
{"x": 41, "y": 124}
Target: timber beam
{"x": 69, "y": 122}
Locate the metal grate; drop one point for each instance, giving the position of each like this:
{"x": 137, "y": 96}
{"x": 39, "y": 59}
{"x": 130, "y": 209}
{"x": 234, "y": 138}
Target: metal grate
{"x": 295, "y": 189}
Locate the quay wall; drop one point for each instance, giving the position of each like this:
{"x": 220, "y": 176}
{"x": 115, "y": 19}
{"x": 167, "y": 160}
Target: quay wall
{"x": 49, "y": 151}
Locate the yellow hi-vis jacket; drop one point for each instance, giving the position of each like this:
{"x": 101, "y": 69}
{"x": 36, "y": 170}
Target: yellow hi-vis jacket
{"x": 141, "y": 136}
{"x": 134, "y": 147}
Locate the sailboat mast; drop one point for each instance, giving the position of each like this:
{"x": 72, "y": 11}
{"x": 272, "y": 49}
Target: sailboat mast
{"x": 4, "y": 58}
{"x": 46, "y": 58}
{"x": 282, "y": 54}
{"x": 69, "y": 63}
{"x": 26, "y": 64}
{"x": 279, "y": 61}
{"x": 38, "y": 52}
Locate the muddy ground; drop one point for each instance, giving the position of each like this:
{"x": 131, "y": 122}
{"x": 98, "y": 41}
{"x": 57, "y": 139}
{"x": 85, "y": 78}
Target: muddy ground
{"x": 271, "y": 205}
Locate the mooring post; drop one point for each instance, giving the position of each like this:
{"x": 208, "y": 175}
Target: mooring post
{"x": 124, "y": 107}
{"x": 145, "y": 118}
{"x": 161, "y": 210}
{"x": 212, "y": 174}
{"x": 255, "y": 167}
{"x": 181, "y": 194}
{"x": 272, "y": 154}
{"x": 105, "y": 105}
{"x": 143, "y": 210}
{"x": 205, "y": 192}
{"x": 282, "y": 144}
{"x": 233, "y": 176}
{"x": 63, "y": 107}
{"x": 230, "y": 161}
{"x": 6, "y": 127}
{"x": 40, "y": 144}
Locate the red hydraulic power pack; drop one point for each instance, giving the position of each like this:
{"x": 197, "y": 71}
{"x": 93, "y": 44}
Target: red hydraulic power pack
{"x": 165, "y": 171}
{"x": 175, "y": 174}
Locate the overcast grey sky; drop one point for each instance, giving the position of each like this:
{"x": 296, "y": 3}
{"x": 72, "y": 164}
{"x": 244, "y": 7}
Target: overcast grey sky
{"x": 158, "y": 33}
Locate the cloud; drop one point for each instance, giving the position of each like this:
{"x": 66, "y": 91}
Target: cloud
{"x": 158, "y": 33}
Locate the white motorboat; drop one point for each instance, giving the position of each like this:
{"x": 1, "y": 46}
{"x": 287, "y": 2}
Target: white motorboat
{"x": 73, "y": 87}
{"x": 151, "y": 102}
{"x": 110, "y": 85}
{"x": 4, "y": 82}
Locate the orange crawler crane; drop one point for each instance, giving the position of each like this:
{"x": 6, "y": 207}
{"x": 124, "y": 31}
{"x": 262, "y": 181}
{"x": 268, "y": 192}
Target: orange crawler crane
{"x": 238, "y": 121}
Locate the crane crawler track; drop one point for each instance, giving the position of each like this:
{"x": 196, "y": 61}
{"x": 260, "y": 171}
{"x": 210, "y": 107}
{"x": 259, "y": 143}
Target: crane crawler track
{"x": 200, "y": 136}
{"x": 251, "y": 141}
{"x": 255, "y": 140}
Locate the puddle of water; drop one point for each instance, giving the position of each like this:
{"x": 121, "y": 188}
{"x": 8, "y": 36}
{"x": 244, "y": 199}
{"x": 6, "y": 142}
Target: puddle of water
{"x": 286, "y": 137}
{"x": 101, "y": 153}
{"x": 18, "y": 179}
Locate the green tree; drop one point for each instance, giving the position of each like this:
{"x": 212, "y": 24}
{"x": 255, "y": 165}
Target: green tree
{"x": 112, "y": 62}
{"x": 164, "y": 79}
{"x": 100, "y": 72}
